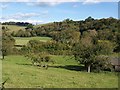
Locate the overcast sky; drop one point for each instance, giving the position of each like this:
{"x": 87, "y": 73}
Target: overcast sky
{"x": 44, "y": 12}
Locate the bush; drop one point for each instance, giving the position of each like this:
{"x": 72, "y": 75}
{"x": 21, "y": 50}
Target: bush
{"x": 102, "y": 63}
{"x": 41, "y": 59}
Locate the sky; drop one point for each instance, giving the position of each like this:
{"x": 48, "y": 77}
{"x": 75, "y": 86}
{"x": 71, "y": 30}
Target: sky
{"x": 45, "y": 12}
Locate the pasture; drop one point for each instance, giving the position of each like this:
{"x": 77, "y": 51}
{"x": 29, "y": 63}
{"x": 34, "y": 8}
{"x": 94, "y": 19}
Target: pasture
{"x": 25, "y": 40}
{"x": 14, "y": 27}
{"x": 65, "y": 73}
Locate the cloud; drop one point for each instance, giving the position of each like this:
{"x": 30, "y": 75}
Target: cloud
{"x": 52, "y": 2}
{"x": 75, "y": 5}
{"x": 24, "y": 17}
{"x": 3, "y": 6}
{"x": 98, "y": 1}
{"x": 20, "y": 15}
{"x": 44, "y": 3}
{"x": 28, "y": 20}
{"x": 16, "y": 0}
{"x": 91, "y": 1}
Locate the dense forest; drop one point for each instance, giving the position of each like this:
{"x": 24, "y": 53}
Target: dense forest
{"x": 90, "y": 41}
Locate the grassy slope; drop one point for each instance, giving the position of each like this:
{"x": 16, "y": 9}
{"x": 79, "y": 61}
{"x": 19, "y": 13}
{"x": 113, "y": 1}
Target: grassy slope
{"x": 14, "y": 27}
{"x": 22, "y": 74}
{"x": 25, "y": 40}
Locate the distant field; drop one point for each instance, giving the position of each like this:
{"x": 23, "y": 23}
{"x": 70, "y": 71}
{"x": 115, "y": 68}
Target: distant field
{"x": 14, "y": 27}
{"x": 42, "y": 25}
{"x": 62, "y": 74}
{"x": 25, "y": 40}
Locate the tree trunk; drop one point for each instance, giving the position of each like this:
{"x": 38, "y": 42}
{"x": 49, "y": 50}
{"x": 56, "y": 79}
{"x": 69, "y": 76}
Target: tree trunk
{"x": 3, "y": 57}
{"x": 89, "y": 66}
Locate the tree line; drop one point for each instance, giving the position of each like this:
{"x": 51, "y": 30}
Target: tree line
{"x": 15, "y": 23}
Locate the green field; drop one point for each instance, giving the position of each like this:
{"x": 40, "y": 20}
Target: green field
{"x": 62, "y": 74}
{"x": 25, "y": 40}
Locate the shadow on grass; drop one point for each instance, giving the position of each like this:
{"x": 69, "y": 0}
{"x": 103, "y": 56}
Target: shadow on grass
{"x": 71, "y": 67}
{"x": 24, "y": 64}
{"x": 68, "y": 67}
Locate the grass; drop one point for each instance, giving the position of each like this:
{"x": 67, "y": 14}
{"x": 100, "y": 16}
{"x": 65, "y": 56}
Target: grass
{"x": 14, "y": 27}
{"x": 0, "y": 72}
{"x": 25, "y": 40}
{"x": 22, "y": 74}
